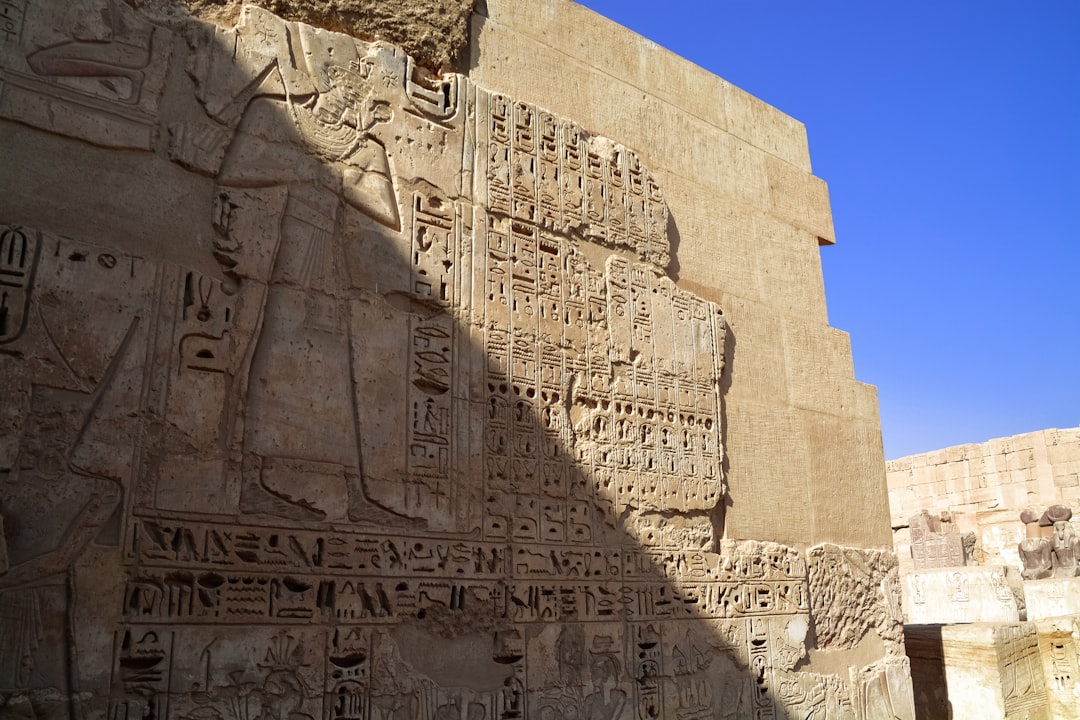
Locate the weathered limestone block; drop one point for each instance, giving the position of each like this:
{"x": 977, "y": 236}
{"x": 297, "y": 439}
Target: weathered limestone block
{"x": 1000, "y": 534}
{"x": 977, "y": 671}
{"x": 885, "y": 690}
{"x": 961, "y": 595}
{"x": 939, "y": 551}
{"x": 933, "y": 546}
{"x": 1061, "y": 665}
{"x": 1052, "y": 597}
{"x": 853, "y": 592}
{"x": 336, "y": 388}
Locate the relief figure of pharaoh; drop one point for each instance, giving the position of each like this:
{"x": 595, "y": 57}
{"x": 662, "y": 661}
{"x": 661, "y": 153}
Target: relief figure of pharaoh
{"x": 300, "y": 415}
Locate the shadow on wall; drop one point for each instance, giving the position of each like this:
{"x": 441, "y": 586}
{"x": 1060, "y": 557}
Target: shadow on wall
{"x": 437, "y": 438}
{"x": 926, "y": 651}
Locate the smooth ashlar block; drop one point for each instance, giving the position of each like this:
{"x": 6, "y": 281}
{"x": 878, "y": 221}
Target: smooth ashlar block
{"x": 959, "y": 595}
{"x": 978, "y": 671}
{"x": 1052, "y": 597}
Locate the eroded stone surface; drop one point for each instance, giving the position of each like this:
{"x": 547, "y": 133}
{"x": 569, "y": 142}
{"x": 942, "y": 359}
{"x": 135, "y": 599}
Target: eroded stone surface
{"x": 435, "y": 32}
{"x": 410, "y": 420}
{"x": 853, "y": 592}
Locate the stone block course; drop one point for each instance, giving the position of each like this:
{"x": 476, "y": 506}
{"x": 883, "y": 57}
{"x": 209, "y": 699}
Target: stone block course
{"x": 355, "y": 377}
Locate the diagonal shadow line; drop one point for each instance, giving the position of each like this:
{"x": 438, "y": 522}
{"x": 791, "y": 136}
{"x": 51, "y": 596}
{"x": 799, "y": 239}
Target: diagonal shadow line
{"x": 651, "y": 645}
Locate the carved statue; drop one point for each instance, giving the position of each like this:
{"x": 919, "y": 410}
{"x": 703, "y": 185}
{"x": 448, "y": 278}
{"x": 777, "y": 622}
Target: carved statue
{"x": 1035, "y": 554}
{"x": 1052, "y": 553}
{"x": 1065, "y": 549}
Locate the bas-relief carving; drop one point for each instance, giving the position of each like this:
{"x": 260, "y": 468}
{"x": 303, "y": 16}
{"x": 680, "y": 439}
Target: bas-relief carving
{"x": 1058, "y": 640}
{"x": 1022, "y": 683}
{"x": 963, "y": 595}
{"x": 935, "y": 546}
{"x": 18, "y": 258}
{"x": 883, "y": 689}
{"x": 852, "y": 592}
{"x": 440, "y": 385}
{"x": 90, "y": 69}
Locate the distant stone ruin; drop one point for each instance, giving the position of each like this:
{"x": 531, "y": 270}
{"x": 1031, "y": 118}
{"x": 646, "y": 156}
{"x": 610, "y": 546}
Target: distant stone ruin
{"x": 1011, "y": 594}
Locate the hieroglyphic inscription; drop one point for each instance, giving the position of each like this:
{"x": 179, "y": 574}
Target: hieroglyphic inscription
{"x": 1063, "y": 664}
{"x": 934, "y": 545}
{"x": 1022, "y": 682}
{"x": 938, "y": 551}
{"x": 11, "y": 19}
{"x": 618, "y": 363}
{"x": 438, "y": 382}
{"x": 610, "y": 374}
{"x": 546, "y": 171}
{"x": 93, "y": 72}
{"x": 181, "y": 569}
{"x": 201, "y": 579}
{"x": 18, "y": 257}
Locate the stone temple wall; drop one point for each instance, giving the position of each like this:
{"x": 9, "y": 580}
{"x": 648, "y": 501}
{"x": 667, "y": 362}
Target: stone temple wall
{"x": 988, "y": 551}
{"x": 983, "y": 487}
{"x": 338, "y": 387}
{"x": 1036, "y": 468}
{"x": 803, "y": 438}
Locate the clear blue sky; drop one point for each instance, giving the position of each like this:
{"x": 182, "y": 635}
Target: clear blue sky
{"x": 949, "y": 135}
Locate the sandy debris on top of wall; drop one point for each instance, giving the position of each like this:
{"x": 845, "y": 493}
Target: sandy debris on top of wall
{"x": 435, "y": 32}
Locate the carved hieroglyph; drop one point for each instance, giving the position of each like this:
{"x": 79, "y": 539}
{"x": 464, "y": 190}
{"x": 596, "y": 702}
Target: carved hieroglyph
{"x": 439, "y": 439}
{"x": 90, "y": 69}
{"x": 932, "y": 546}
{"x": 979, "y": 670}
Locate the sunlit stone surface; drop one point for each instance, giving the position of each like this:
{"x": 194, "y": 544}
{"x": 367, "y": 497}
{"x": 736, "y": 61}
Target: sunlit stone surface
{"x": 338, "y": 387}
{"x": 993, "y": 541}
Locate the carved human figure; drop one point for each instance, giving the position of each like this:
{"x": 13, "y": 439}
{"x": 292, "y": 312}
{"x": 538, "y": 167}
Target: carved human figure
{"x": 790, "y": 643}
{"x": 1051, "y": 547}
{"x": 1035, "y": 553}
{"x": 570, "y": 651}
{"x": 83, "y": 493}
{"x": 300, "y": 414}
{"x": 1065, "y": 549}
{"x": 607, "y": 701}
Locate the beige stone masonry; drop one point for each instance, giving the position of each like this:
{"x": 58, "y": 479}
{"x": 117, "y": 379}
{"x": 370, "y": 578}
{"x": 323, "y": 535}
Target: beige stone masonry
{"x": 726, "y": 184}
{"x": 979, "y": 671}
{"x": 1034, "y": 470}
{"x": 336, "y": 385}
